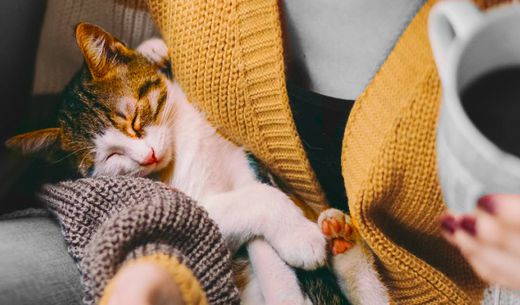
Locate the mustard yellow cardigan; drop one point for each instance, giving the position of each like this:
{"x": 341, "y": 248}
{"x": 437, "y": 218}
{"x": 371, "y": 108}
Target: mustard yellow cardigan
{"x": 228, "y": 57}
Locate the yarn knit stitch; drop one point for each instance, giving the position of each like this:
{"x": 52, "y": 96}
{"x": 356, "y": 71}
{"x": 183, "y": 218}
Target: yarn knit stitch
{"x": 109, "y": 220}
{"x": 228, "y": 56}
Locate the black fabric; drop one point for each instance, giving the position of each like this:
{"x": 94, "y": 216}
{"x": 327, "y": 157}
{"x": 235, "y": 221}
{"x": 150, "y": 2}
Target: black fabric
{"x": 321, "y": 121}
{"x": 20, "y": 25}
{"x": 26, "y": 174}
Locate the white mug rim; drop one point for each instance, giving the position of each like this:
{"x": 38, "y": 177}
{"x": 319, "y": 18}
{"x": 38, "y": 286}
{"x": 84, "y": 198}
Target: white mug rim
{"x": 452, "y": 101}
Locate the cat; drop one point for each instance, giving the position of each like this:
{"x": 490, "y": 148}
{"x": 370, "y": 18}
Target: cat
{"x": 125, "y": 114}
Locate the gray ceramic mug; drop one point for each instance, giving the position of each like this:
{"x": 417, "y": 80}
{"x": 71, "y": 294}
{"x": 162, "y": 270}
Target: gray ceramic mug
{"x": 467, "y": 44}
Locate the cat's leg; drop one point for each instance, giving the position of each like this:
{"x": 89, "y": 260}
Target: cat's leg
{"x": 277, "y": 281}
{"x": 252, "y": 293}
{"x": 352, "y": 264}
{"x": 261, "y": 210}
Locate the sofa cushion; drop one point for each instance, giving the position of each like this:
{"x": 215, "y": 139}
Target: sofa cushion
{"x": 36, "y": 268}
{"x": 58, "y": 56}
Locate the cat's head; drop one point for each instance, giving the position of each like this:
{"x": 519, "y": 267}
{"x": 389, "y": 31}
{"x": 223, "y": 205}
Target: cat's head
{"x": 116, "y": 112}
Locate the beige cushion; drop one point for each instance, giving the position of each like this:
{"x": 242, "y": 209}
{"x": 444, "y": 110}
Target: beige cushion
{"x": 58, "y": 57}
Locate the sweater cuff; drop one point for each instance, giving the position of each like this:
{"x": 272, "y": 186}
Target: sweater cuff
{"x": 109, "y": 221}
{"x": 190, "y": 289}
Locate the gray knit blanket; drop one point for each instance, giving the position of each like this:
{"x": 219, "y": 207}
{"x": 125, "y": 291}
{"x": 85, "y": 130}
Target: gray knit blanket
{"x": 109, "y": 220}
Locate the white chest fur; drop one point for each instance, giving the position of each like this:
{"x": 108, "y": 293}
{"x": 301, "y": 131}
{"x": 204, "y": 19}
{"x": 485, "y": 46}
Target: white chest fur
{"x": 205, "y": 163}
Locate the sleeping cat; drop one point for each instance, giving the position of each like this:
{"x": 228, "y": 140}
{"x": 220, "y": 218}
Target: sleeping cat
{"x": 124, "y": 114}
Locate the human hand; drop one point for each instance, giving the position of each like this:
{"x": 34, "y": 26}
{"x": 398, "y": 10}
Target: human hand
{"x": 489, "y": 238}
{"x": 144, "y": 283}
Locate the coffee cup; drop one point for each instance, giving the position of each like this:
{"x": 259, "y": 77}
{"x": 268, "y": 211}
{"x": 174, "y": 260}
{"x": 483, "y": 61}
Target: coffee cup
{"x": 467, "y": 44}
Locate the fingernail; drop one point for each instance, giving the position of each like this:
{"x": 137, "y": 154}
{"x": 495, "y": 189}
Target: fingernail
{"x": 486, "y": 203}
{"x": 468, "y": 224}
{"x": 448, "y": 224}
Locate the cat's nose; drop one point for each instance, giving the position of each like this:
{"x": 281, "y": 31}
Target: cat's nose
{"x": 150, "y": 158}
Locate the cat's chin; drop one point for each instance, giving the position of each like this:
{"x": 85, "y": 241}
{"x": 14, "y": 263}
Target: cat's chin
{"x": 154, "y": 171}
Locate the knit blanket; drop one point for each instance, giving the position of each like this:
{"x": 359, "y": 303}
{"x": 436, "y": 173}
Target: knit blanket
{"x": 107, "y": 221}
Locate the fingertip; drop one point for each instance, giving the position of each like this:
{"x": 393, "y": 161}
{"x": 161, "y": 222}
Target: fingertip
{"x": 504, "y": 207}
{"x": 467, "y": 243}
{"x": 487, "y": 204}
{"x": 469, "y": 224}
{"x": 448, "y": 237}
{"x": 448, "y": 223}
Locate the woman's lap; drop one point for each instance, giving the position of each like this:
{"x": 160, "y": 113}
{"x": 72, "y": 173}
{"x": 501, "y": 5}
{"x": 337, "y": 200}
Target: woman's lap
{"x": 35, "y": 267}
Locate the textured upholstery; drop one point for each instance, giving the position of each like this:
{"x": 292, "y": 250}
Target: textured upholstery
{"x": 35, "y": 266}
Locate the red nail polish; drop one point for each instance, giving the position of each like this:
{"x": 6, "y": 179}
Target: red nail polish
{"x": 469, "y": 224}
{"x": 448, "y": 224}
{"x": 487, "y": 204}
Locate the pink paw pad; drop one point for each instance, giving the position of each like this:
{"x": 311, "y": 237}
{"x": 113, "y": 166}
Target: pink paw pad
{"x": 335, "y": 225}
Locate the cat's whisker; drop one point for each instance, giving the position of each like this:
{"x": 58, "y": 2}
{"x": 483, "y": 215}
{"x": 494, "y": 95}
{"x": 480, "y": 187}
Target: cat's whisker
{"x": 74, "y": 153}
{"x": 134, "y": 172}
{"x": 117, "y": 133}
{"x": 82, "y": 160}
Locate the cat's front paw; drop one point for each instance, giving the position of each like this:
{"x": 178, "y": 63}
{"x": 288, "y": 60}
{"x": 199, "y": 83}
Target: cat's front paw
{"x": 155, "y": 50}
{"x": 336, "y": 226}
{"x": 301, "y": 246}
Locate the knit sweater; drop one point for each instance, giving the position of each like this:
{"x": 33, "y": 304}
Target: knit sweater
{"x": 111, "y": 222}
{"x": 228, "y": 56}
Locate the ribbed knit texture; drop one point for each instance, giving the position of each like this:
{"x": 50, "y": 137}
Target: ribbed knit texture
{"x": 110, "y": 220}
{"x": 390, "y": 173}
{"x": 59, "y": 58}
{"x": 228, "y": 57}
{"x": 389, "y": 165}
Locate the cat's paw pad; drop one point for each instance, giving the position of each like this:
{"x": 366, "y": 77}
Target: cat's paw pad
{"x": 336, "y": 226}
{"x": 155, "y": 50}
{"x": 303, "y": 246}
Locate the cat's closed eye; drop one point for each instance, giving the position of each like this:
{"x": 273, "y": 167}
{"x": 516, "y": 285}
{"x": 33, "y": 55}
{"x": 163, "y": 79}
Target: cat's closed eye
{"x": 120, "y": 115}
{"x": 114, "y": 154}
{"x": 116, "y": 114}
{"x": 136, "y": 125}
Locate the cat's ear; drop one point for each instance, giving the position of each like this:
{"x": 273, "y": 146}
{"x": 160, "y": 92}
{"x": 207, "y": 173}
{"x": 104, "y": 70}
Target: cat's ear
{"x": 103, "y": 52}
{"x": 35, "y": 141}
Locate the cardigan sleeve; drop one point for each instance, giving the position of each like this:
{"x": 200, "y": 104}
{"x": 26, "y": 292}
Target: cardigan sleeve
{"x": 110, "y": 222}
{"x": 190, "y": 288}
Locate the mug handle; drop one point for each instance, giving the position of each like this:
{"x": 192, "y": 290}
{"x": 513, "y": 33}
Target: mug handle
{"x": 450, "y": 21}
